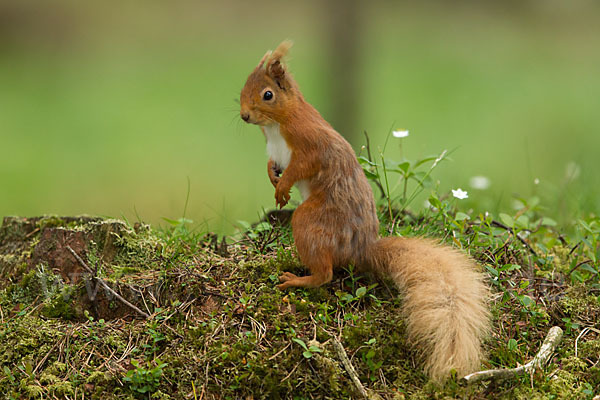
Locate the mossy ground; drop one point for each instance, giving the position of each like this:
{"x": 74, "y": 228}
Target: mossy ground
{"x": 219, "y": 328}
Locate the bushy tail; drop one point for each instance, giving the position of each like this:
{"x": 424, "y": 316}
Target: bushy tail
{"x": 444, "y": 302}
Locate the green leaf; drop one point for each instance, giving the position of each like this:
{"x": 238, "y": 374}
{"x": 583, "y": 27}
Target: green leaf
{"x": 361, "y": 291}
{"x": 534, "y": 201}
{"x": 362, "y": 160}
{"x": 510, "y": 267}
{"x": 435, "y": 202}
{"x": 28, "y": 368}
{"x": 424, "y": 160}
{"x": 546, "y": 221}
{"x": 301, "y": 343}
{"x": 492, "y": 270}
{"x": 461, "y": 216}
{"x": 314, "y": 349}
{"x": 426, "y": 181}
{"x": 347, "y": 297}
{"x": 512, "y": 344}
{"x": 8, "y": 373}
{"x": 171, "y": 221}
{"x": 525, "y": 300}
{"x": 585, "y": 226}
{"x": 587, "y": 267}
{"x": 263, "y": 226}
{"x": 404, "y": 166}
{"x": 523, "y": 221}
{"x": 507, "y": 220}
{"x": 370, "y": 175}
{"x": 307, "y": 354}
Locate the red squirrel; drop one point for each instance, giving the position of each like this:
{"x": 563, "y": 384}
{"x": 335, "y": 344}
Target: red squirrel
{"x": 336, "y": 225}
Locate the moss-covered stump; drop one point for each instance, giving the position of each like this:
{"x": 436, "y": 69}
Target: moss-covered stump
{"x": 213, "y": 325}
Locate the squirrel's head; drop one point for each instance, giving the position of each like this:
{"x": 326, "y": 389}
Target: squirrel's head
{"x": 270, "y": 92}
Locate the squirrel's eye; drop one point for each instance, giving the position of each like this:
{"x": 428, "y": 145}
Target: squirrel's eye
{"x": 268, "y": 95}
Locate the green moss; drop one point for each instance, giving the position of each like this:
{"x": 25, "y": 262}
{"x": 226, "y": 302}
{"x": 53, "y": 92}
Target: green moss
{"x": 57, "y": 368}
{"x": 51, "y": 221}
{"x": 61, "y": 304}
{"x": 40, "y": 284}
{"x": 61, "y": 388}
{"x": 589, "y": 348}
{"x": 33, "y": 391}
{"x": 222, "y": 324}
{"x": 577, "y": 301}
{"x": 158, "y": 395}
{"x": 48, "y": 379}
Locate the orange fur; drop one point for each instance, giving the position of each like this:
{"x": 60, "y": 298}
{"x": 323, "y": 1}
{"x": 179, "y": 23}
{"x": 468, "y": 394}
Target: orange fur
{"x": 444, "y": 294}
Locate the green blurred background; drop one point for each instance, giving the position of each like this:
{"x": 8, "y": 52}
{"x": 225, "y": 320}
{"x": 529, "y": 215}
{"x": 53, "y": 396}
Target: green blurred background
{"x": 110, "y": 107}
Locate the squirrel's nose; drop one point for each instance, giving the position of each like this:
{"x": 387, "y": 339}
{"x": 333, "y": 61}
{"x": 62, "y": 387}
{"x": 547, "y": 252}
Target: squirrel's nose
{"x": 245, "y": 116}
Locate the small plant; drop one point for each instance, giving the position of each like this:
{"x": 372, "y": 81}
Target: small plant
{"x": 368, "y": 356}
{"x": 586, "y": 266}
{"x": 142, "y": 379}
{"x": 93, "y": 326}
{"x": 570, "y": 325}
{"x": 324, "y": 313}
{"x": 357, "y": 295}
{"x": 155, "y": 335}
{"x": 308, "y": 350}
{"x": 357, "y": 292}
{"x": 264, "y": 237}
{"x": 406, "y": 170}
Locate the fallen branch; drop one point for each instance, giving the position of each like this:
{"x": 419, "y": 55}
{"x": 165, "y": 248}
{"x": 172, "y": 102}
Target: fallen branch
{"x": 105, "y": 285}
{"x": 584, "y": 332}
{"x": 539, "y": 361}
{"x": 341, "y": 353}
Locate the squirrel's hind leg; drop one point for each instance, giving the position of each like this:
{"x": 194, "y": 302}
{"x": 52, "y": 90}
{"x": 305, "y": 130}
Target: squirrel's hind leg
{"x": 314, "y": 249}
{"x": 317, "y": 278}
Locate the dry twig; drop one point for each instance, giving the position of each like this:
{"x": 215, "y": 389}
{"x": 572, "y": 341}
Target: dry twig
{"x": 541, "y": 358}
{"x": 511, "y": 230}
{"x": 105, "y": 285}
{"x": 584, "y": 332}
{"x": 341, "y": 353}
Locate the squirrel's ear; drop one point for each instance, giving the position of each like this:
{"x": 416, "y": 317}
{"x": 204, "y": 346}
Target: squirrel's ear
{"x": 263, "y": 59}
{"x": 275, "y": 69}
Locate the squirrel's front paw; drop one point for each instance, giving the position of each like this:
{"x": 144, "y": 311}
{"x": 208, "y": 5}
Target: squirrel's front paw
{"x": 274, "y": 173}
{"x": 282, "y": 196}
{"x": 274, "y": 179}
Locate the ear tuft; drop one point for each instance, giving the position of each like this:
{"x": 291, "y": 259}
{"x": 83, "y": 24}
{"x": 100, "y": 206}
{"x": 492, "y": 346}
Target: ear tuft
{"x": 281, "y": 51}
{"x": 263, "y": 59}
{"x": 275, "y": 68}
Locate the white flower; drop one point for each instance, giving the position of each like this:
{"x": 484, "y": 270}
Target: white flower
{"x": 480, "y": 182}
{"x": 536, "y": 181}
{"x": 459, "y": 194}
{"x": 400, "y": 134}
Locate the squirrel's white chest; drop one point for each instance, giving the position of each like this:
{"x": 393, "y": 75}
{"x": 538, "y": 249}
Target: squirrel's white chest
{"x": 277, "y": 147}
{"x": 281, "y": 154}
